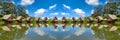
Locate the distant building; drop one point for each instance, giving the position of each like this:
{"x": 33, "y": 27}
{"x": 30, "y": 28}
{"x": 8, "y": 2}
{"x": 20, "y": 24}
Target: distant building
{"x": 90, "y": 19}
{"x": 45, "y": 20}
{"x": 29, "y": 19}
{"x": 64, "y": 20}
{"x": 19, "y": 18}
{"x": 55, "y": 20}
{"x": 80, "y": 20}
{"x": 37, "y": 20}
{"x": 8, "y": 18}
{"x": 99, "y": 19}
{"x": 111, "y": 18}
{"x": 73, "y": 20}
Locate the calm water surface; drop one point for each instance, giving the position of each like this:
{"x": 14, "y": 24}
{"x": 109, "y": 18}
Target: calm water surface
{"x": 61, "y": 32}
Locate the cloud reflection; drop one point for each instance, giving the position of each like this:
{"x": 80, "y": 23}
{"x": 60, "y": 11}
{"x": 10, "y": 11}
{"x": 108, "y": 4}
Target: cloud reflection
{"x": 39, "y": 32}
{"x": 79, "y": 32}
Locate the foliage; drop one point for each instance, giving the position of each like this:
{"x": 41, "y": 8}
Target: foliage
{"x": 21, "y": 11}
{"x": 98, "y": 10}
{"x": 111, "y": 7}
{"x": 7, "y": 7}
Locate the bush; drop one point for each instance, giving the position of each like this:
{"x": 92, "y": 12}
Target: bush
{"x": 1, "y": 15}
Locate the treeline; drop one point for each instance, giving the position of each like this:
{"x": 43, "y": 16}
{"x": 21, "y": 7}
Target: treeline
{"x": 111, "y": 7}
{"x": 8, "y": 7}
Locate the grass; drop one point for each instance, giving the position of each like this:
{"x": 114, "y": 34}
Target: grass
{"x": 69, "y": 21}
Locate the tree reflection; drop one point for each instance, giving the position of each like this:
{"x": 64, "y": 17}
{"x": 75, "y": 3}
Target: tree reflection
{"x": 13, "y": 34}
{"x": 102, "y": 32}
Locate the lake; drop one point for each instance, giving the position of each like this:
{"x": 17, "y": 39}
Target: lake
{"x": 60, "y": 32}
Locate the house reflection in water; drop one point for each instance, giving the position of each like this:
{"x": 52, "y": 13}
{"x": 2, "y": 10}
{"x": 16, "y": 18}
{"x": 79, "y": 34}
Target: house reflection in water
{"x": 60, "y": 32}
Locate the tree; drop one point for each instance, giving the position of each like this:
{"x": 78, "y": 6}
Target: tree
{"x": 98, "y": 10}
{"x": 21, "y": 11}
{"x": 8, "y": 8}
{"x": 111, "y": 7}
{"x": 0, "y": 6}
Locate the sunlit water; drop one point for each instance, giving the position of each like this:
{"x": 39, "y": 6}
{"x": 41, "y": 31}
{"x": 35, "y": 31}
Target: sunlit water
{"x": 62, "y": 32}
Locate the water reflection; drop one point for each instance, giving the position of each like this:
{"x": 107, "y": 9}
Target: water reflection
{"x": 13, "y": 34}
{"x": 60, "y": 32}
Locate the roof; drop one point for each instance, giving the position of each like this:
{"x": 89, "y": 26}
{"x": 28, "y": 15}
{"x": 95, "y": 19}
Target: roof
{"x": 37, "y": 18}
{"x": 99, "y": 17}
{"x": 112, "y": 16}
{"x": 7, "y": 16}
{"x": 19, "y": 17}
{"x": 81, "y": 18}
{"x": 90, "y": 18}
{"x": 28, "y": 18}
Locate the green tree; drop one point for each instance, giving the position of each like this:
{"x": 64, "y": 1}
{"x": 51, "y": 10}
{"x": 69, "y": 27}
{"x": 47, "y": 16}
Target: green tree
{"x": 8, "y": 7}
{"x": 98, "y": 11}
{"x": 21, "y": 11}
{"x": 111, "y": 7}
{"x": 0, "y": 6}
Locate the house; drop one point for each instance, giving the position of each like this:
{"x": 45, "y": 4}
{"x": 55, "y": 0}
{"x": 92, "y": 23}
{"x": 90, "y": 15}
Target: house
{"x": 45, "y": 20}
{"x": 99, "y": 19}
{"x": 29, "y": 19}
{"x": 80, "y": 20}
{"x": 55, "y": 20}
{"x": 20, "y": 19}
{"x": 73, "y": 20}
{"x": 38, "y": 20}
{"x": 111, "y": 18}
{"x": 8, "y": 18}
{"x": 90, "y": 19}
{"x": 64, "y": 20}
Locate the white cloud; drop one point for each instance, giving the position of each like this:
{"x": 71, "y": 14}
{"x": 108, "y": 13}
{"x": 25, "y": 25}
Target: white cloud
{"x": 92, "y": 11}
{"x": 39, "y": 12}
{"x": 63, "y": 13}
{"x": 13, "y": 2}
{"x": 106, "y": 2}
{"x": 82, "y": 15}
{"x": 56, "y": 13}
{"x": 27, "y": 11}
{"x": 53, "y": 6}
{"x": 27, "y": 2}
{"x": 92, "y": 2}
{"x": 80, "y": 11}
{"x": 66, "y": 6}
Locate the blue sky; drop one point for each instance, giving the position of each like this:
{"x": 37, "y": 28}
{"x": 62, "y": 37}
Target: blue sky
{"x": 59, "y": 8}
